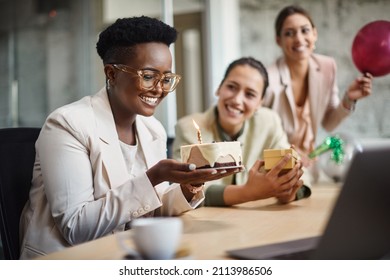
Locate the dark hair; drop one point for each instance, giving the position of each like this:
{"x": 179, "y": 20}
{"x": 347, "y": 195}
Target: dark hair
{"x": 252, "y": 62}
{"x": 288, "y": 11}
{"x": 117, "y": 40}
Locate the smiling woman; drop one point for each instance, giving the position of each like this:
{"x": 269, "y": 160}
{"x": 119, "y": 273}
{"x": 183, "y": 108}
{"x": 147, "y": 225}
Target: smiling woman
{"x": 303, "y": 88}
{"x": 238, "y": 116}
{"x": 126, "y": 93}
{"x": 101, "y": 161}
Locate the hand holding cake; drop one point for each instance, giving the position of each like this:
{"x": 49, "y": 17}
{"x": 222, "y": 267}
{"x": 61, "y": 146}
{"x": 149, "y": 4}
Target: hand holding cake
{"x": 183, "y": 173}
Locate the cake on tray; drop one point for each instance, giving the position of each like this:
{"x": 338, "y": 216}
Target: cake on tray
{"x": 212, "y": 155}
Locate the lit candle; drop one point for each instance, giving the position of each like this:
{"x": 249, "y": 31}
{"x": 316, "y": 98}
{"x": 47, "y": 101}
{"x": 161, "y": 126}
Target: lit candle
{"x": 199, "y": 135}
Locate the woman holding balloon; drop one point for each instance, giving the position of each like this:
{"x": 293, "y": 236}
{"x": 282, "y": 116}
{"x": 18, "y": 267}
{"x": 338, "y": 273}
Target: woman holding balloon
{"x": 302, "y": 84}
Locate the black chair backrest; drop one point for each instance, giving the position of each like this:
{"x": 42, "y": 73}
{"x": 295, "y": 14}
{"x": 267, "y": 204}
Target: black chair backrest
{"x": 17, "y": 156}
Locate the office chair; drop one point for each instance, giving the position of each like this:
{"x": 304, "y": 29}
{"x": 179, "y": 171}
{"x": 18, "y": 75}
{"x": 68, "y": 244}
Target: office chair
{"x": 17, "y": 156}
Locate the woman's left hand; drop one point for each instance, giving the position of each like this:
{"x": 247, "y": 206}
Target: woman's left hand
{"x": 360, "y": 88}
{"x": 291, "y": 194}
{"x": 173, "y": 171}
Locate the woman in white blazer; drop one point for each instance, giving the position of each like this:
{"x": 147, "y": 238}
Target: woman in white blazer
{"x": 101, "y": 161}
{"x": 302, "y": 85}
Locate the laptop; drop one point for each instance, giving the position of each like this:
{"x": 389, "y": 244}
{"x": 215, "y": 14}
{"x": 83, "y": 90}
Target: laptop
{"x": 359, "y": 226}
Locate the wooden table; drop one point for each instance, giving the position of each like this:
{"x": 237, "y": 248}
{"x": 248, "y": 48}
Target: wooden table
{"x": 210, "y": 231}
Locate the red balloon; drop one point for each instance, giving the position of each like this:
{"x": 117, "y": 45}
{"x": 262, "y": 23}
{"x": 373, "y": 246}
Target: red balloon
{"x": 371, "y": 48}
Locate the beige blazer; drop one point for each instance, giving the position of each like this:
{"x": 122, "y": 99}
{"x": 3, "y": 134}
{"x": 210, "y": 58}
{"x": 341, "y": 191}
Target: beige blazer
{"x": 81, "y": 189}
{"x": 263, "y": 131}
{"x": 325, "y": 107}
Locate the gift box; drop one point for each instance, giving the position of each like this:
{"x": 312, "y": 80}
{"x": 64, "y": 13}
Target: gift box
{"x": 273, "y": 156}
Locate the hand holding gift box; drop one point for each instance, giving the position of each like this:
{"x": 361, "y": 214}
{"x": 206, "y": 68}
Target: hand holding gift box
{"x": 273, "y": 156}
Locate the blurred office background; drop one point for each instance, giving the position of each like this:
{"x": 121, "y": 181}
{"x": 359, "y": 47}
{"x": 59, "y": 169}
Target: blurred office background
{"x": 48, "y": 56}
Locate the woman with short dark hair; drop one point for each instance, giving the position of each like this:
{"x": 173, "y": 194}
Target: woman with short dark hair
{"x": 101, "y": 161}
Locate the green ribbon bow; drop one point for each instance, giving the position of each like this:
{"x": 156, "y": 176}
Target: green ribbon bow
{"x": 331, "y": 143}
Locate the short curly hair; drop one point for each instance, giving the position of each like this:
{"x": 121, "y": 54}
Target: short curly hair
{"x": 117, "y": 40}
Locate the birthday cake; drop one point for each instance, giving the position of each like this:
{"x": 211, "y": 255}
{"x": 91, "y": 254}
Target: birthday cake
{"x": 212, "y": 155}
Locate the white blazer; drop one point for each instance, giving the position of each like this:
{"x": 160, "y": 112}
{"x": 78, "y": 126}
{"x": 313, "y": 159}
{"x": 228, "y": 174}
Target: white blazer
{"x": 81, "y": 189}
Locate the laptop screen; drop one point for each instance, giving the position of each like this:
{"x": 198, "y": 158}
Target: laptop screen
{"x": 359, "y": 226}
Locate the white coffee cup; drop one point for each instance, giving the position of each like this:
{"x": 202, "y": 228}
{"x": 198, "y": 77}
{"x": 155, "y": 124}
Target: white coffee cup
{"x": 157, "y": 238}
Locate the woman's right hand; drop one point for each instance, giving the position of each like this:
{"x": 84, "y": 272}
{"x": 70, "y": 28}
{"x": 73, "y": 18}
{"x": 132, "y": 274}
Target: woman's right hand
{"x": 261, "y": 184}
{"x": 306, "y": 161}
{"x": 174, "y": 171}
{"x": 304, "y": 157}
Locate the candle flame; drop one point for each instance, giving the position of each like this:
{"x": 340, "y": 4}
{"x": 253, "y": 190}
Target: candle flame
{"x": 196, "y": 125}
{"x": 199, "y": 134}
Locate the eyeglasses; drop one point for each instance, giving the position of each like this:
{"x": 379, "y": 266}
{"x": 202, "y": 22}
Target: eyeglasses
{"x": 149, "y": 78}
